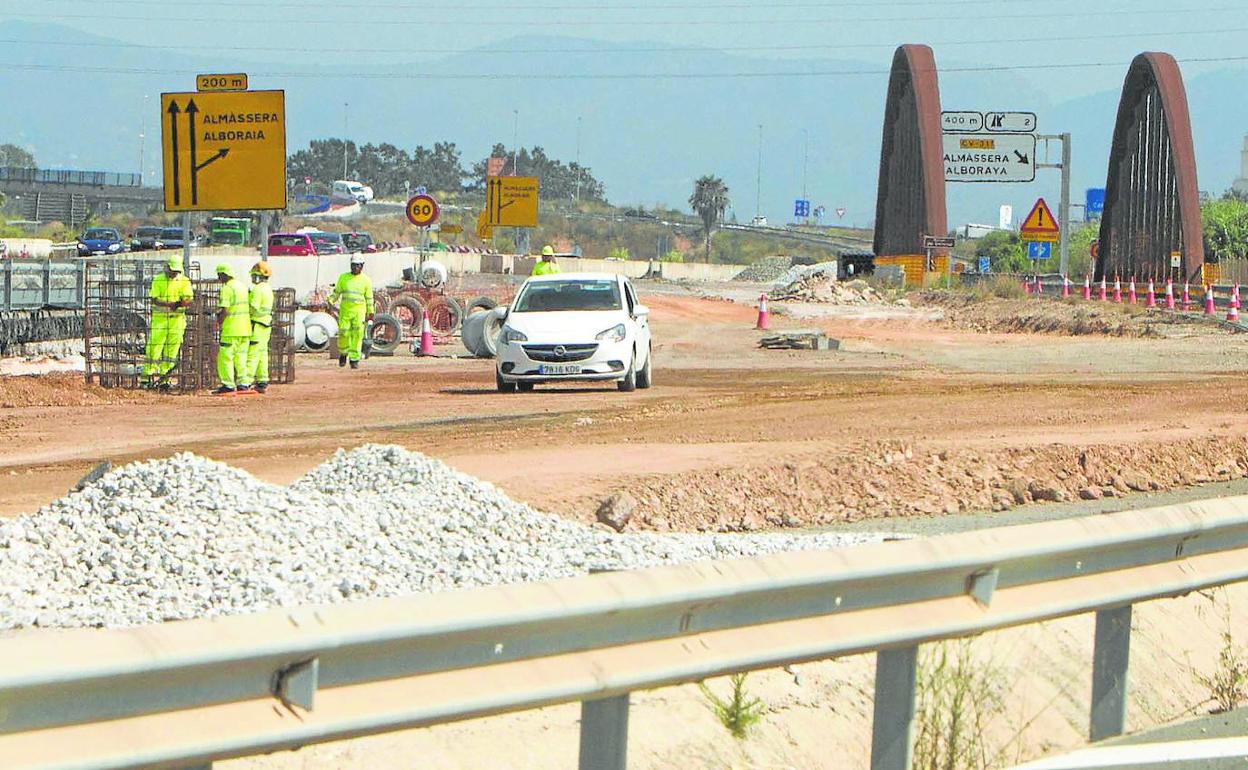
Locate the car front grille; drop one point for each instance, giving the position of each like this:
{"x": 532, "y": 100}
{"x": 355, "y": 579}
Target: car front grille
{"x": 560, "y": 353}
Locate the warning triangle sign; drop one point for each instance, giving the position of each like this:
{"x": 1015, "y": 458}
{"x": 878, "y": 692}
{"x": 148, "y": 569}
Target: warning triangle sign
{"x": 1040, "y": 220}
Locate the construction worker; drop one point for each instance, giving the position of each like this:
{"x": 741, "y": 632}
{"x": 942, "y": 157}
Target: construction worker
{"x": 171, "y": 295}
{"x": 260, "y": 302}
{"x": 354, "y": 294}
{"x": 234, "y": 319}
{"x": 547, "y": 265}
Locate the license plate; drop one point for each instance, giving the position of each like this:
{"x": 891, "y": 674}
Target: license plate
{"x": 559, "y": 369}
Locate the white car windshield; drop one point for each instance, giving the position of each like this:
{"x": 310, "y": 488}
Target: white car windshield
{"x": 568, "y": 294}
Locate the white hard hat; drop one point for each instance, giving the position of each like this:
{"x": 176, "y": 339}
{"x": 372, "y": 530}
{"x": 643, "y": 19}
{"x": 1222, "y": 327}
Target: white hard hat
{"x": 357, "y": 259}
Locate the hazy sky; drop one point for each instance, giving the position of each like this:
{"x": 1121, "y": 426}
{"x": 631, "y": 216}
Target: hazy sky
{"x": 963, "y": 32}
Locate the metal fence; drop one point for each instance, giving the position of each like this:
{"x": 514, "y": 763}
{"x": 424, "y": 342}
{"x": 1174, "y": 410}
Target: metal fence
{"x": 68, "y": 177}
{"x": 183, "y": 695}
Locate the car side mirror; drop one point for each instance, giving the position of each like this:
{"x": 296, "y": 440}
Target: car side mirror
{"x": 640, "y": 310}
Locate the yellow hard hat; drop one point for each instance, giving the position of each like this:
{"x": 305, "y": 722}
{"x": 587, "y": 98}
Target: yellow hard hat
{"x": 262, "y": 268}
{"x": 175, "y": 264}
{"x": 223, "y": 268}
{"x": 547, "y": 251}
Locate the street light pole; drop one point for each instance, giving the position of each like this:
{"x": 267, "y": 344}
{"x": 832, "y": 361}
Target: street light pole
{"x": 345, "y": 113}
{"x": 578, "y": 158}
{"x": 758, "y": 189}
{"x": 515, "y": 139}
{"x": 805, "y": 158}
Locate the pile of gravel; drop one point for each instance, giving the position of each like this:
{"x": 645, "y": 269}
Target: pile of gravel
{"x": 188, "y": 537}
{"x": 798, "y": 273}
{"x": 765, "y": 270}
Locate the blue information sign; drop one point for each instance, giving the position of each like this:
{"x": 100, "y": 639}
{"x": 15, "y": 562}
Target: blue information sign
{"x": 801, "y": 208}
{"x": 1039, "y": 250}
{"x": 1095, "y": 202}
{"x": 985, "y": 265}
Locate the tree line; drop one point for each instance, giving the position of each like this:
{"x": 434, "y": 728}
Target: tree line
{"x": 393, "y": 171}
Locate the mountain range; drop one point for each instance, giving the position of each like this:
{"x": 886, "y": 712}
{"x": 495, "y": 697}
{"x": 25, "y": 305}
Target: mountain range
{"x": 80, "y": 101}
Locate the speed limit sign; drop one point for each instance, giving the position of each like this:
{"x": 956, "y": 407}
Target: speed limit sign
{"x": 422, "y": 210}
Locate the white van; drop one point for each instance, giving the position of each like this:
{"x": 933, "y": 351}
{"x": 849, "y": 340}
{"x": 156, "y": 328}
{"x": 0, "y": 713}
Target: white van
{"x": 347, "y": 190}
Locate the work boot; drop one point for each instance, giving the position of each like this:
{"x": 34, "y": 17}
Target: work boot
{"x": 164, "y": 387}
{"x": 342, "y": 360}
{"x": 224, "y": 390}
{"x": 243, "y": 389}
{"x": 355, "y": 364}
{"x": 262, "y": 387}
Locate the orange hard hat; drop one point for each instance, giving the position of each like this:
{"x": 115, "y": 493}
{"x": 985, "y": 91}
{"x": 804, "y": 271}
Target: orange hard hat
{"x": 262, "y": 268}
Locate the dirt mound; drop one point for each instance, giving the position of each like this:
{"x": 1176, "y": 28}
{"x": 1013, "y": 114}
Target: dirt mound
{"x": 892, "y": 479}
{"x": 58, "y": 390}
{"x": 826, "y": 289}
{"x": 1068, "y": 318}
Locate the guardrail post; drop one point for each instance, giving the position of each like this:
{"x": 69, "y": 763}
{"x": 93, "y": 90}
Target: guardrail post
{"x": 892, "y": 744}
{"x": 1109, "y": 673}
{"x": 604, "y": 733}
{"x": 8, "y": 284}
{"x": 47, "y": 282}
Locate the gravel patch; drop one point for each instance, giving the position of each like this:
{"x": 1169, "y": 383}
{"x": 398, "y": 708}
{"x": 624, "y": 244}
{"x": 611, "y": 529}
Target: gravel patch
{"x": 187, "y": 537}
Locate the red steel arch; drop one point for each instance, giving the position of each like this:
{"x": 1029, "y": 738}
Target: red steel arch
{"x": 910, "y": 201}
{"x": 1152, "y": 202}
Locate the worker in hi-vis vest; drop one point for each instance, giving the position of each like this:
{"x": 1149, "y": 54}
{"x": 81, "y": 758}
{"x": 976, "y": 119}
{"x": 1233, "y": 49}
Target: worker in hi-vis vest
{"x": 171, "y": 295}
{"x": 354, "y": 294}
{"x": 260, "y": 303}
{"x": 234, "y": 319}
{"x": 547, "y": 265}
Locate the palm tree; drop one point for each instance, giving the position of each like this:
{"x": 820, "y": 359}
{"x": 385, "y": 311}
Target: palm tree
{"x": 709, "y": 199}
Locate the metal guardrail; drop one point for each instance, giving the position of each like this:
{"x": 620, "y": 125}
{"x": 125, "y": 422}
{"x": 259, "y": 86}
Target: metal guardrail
{"x": 68, "y": 177}
{"x": 31, "y": 284}
{"x": 181, "y": 695}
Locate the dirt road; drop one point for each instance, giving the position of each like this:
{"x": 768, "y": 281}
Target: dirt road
{"x": 910, "y": 417}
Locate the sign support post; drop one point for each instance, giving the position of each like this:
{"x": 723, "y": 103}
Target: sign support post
{"x": 186, "y": 243}
{"x": 1063, "y": 211}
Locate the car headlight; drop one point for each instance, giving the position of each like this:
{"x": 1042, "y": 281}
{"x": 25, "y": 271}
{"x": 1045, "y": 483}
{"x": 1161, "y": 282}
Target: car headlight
{"x": 114, "y": 246}
{"x": 83, "y": 247}
{"x": 510, "y": 335}
{"x": 615, "y": 333}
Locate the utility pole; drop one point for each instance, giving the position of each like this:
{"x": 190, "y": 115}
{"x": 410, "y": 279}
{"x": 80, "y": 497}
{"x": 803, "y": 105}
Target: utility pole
{"x": 1063, "y": 209}
{"x": 758, "y": 190}
{"x": 578, "y": 158}
{"x": 515, "y": 139}
{"x": 344, "y": 139}
{"x": 805, "y": 158}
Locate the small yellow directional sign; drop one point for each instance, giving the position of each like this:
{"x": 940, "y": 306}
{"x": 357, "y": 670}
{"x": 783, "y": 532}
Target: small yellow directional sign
{"x": 224, "y": 151}
{"x": 511, "y": 201}
{"x": 236, "y": 81}
{"x": 452, "y": 229}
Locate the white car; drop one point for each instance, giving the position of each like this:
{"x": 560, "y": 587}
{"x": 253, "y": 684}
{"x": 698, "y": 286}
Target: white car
{"x": 574, "y": 326}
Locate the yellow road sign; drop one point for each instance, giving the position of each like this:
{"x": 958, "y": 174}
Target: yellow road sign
{"x": 511, "y": 201}
{"x": 235, "y": 81}
{"x": 224, "y": 151}
{"x": 484, "y": 231}
{"x": 1041, "y": 237}
{"x": 452, "y": 229}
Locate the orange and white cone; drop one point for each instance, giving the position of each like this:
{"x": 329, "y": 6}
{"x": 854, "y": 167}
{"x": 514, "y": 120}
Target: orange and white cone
{"x": 1087, "y": 287}
{"x": 1209, "y": 309}
{"x": 426, "y": 337}
{"x": 764, "y": 316}
{"x": 1169, "y": 294}
{"x": 1118, "y": 290}
{"x": 1232, "y": 312}
{"x": 1065, "y": 287}
{"x": 1132, "y": 297}
{"x": 1187, "y": 296}
{"x": 1103, "y": 295}
{"x": 1150, "y": 300}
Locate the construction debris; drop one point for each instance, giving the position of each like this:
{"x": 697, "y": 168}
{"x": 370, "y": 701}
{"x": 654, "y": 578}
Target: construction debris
{"x": 765, "y": 270}
{"x": 824, "y": 288}
{"x": 800, "y": 339}
{"x": 187, "y": 537}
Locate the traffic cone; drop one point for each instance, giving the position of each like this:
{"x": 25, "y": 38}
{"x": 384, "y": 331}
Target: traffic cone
{"x": 764, "y": 317}
{"x": 1039, "y": 286}
{"x": 1209, "y": 309}
{"x": 1232, "y": 313}
{"x": 1118, "y": 290}
{"x": 1065, "y": 287}
{"x": 1150, "y": 300}
{"x": 1103, "y": 296}
{"x": 1087, "y": 288}
{"x": 426, "y": 337}
{"x": 1169, "y": 294}
{"x": 1187, "y": 296}
{"x": 1132, "y": 297}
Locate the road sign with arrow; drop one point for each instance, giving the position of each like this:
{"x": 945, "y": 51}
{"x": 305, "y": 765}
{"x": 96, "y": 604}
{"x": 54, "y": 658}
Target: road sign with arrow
{"x": 224, "y": 151}
{"x": 989, "y": 157}
{"x": 511, "y": 201}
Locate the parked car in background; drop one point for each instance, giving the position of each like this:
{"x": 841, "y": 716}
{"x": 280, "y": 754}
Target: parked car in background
{"x": 574, "y": 326}
{"x": 230, "y": 231}
{"x": 145, "y": 238}
{"x": 98, "y": 241}
{"x": 327, "y": 243}
{"x": 291, "y": 245}
{"x": 171, "y": 238}
{"x": 356, "y": 243}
